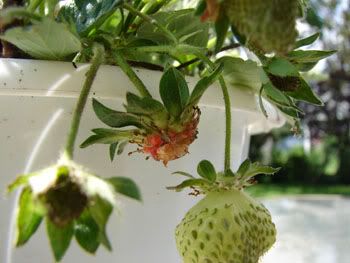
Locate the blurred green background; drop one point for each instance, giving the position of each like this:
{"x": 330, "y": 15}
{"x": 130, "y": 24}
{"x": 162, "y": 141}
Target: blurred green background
{"x": 318, "y": 160}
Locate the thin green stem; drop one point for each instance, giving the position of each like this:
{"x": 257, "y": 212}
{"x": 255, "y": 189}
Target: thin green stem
{"x": 131, "y": 74}
{"x": 96, "y": 62}
{"x": 150, "y": 20}
{"x": 33, "y": 5}
{"x": 227, "y": 100}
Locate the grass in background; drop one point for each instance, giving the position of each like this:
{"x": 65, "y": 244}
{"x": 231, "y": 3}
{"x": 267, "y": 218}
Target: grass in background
{"x": 273, "y": 190}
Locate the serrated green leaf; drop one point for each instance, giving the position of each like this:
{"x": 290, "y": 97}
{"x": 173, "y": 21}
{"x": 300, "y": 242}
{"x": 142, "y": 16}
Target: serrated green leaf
{"x": 281, "y": 67}
{"x": 306, "y": 41}
{"x": 222, "y": 25}
{"x": 201, "y": 6}
{"x": 189, "y": 183}
{"x": 250, "y": 170}
{"x": 86, "y": 232}
{"x": 184, "y": 174}
{"x": 174, "y": 91}
{"x": 112, "y": 150}
{"x": 60, "y": 238}
{"x": 145, "y": 106}
{"x": 276, "y": 96}
{"x": 100, "y": 210}
{"x": 88, "y": 15}
{"x": 125, "y": 186}
{"x": 114, "y": 118}
{"x": 207, "y": 170}
{"x": 203, "y": 84}
{"x": 28, "y": 217}
{"x": 290, "y": 112}
{"x": 309, "y": 56}
{"x": 110, "y": 137}
{"x": 305, "y": 93}
{"x": 186, "y": 27}
{"x": 244, "y": 167}
{"x": 45, "y": 39}
{"x": 241, "y": 73}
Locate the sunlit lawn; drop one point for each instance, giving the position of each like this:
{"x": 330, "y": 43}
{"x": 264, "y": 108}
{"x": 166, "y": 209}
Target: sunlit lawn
{"x": 272, "y": 190}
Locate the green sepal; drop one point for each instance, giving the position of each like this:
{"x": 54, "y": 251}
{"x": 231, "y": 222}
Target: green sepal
{"x": 281, "y": 67}
{"x": 305, "y": 93}
{"x": 261, "y": 104}
{"x": 201, "y": 183}
{"x": 306, "y": 41}
{"x": 100, "y": 210}
{"x": 183, "y": 174}
{"x": 59, "y": 237}
{"x": 203, "y": 84}
{"x": 116, "y": 119}
{"x": 86, "y": 232}
{"x": 107, "y": 136}
{"x": 206, "y": 170}
{"x": 143, "y": 106}
{"x": 112, "y": 150}
{"x": 248, "y": 169}
{"x": 28, "y": 219}
{"x": 19, "y": 181}
{"x": 125, "y": 186}
{"x": 174, "y": 91}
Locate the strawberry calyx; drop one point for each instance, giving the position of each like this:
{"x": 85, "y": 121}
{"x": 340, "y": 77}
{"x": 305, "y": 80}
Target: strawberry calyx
{"x": 212, "y": 181}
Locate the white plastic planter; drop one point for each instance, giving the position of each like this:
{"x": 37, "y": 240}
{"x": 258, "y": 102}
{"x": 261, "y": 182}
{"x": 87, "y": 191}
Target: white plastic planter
{"x": 36, "y": 103}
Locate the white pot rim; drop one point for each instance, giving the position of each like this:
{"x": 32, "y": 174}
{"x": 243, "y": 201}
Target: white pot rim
{"x": 40, "y": 78}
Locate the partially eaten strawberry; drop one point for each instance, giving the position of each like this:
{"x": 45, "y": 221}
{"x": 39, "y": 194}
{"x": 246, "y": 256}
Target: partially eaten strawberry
{"x": 164, "y": 130}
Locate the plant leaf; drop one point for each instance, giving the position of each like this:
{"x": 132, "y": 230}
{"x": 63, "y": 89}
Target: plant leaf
{"x": 174, "y": 91}
{"x": 86, "y": 232}
{"x": 45, "y": 39}
{"x": 305, "y": 93}
{"x": 241, "y": 73}
{"x": 281, "y": 67}
{"x": 277, "y": 96}
{"x": 186, "y": 27}
{"x": 100, "y": 210}
{"x": 247, "y": 170}
{"x": 125, "y": 186}
{"x": 114, "y": 118}
{"x": 261, "y": 103}
{"x": 207, "y": 170}
{"x": 309, "y": 56}
{"x": 28, "y": 217}
{"x": 60, "y": 238}
{"x": 121, "y": 147}
{"x": 306, "y": 41}
{"x": 203, "y": 84}
{"x": 222, "y": 25}
{"x": 88, "y": 15}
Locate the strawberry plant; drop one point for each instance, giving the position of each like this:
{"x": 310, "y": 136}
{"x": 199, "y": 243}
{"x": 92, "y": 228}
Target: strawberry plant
{"x": 226, "y": 225}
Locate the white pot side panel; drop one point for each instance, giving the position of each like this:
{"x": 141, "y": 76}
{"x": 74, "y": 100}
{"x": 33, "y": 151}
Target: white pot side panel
{"x": 33, "y": 127}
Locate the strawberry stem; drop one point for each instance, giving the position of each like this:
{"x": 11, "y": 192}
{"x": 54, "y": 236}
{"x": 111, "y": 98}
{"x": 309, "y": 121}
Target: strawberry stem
{"x": 96, "y": 62}
{"x": 131, "y": 74}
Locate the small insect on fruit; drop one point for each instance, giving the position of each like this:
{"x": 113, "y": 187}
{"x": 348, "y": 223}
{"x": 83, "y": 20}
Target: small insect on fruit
{"x": 227, "y": 225}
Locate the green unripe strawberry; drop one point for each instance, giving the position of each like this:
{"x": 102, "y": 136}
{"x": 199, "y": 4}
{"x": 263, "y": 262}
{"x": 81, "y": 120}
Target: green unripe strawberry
{"x": 227, "y": 227}
{"x": 269, "y": 25}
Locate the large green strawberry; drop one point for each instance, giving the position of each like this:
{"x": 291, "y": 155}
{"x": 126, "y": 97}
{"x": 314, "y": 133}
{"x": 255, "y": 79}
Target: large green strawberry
{"x": 227, "y": 225}
{"x": 269, "y": 25}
